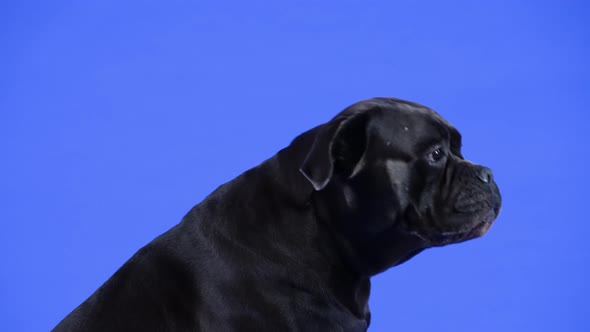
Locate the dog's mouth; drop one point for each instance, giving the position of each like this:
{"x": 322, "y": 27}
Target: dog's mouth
{"x": 471, "y": 226}
{"x": 470, "y": 219}
{"x": 479, "y": 225}
{"x": 471, "y": 216}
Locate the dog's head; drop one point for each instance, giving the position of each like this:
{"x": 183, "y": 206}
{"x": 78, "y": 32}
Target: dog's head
{"x": 390, "y": 178}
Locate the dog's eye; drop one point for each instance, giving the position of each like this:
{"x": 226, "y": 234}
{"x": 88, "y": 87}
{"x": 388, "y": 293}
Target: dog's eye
{"x": 436, "y": 155}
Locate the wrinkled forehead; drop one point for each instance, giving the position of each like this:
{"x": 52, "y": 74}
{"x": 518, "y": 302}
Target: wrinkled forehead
{"x": 409, "y": 127}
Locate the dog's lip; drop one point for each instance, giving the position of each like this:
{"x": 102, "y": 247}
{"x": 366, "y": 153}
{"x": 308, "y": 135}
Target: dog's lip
{"x": 484, "y": 225}
{"x": 479, "y": 228}
{"x": 479, "y": 224}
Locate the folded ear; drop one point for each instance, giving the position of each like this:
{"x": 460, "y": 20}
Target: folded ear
{"x": 337, "y": 149}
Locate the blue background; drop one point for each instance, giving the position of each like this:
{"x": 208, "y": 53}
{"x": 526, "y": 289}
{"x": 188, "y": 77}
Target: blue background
{"x": 116, "y": 117}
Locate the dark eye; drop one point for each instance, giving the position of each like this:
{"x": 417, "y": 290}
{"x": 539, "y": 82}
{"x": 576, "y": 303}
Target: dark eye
{"x": 436, "y": 155}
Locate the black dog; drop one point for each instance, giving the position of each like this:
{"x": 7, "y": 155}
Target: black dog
{"x": 291, "y": 244}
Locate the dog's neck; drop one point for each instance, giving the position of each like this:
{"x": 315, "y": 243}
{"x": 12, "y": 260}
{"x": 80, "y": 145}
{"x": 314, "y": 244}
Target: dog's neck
{"x": 307, "y": 249}
{"x": 347, "y": 265}
{"x": 329, "y": 260}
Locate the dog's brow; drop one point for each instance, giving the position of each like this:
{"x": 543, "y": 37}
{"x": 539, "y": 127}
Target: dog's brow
{"x": 456, "y": 142}
{"x": 428, "y": 143}
{"x": 456, "y": 138}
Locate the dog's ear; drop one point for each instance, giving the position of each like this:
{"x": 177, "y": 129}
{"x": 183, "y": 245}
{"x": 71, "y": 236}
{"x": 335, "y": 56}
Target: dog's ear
{"x": 337, "y": 149}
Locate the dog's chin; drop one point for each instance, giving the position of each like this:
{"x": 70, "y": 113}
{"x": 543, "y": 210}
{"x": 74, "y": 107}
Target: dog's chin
{"x": 483, "y": 226}
{"x": 470, "y": 227}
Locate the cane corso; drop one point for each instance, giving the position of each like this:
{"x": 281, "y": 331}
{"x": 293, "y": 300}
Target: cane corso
{"x": 291, "y": 245}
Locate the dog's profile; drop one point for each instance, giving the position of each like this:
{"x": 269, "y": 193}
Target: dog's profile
{"x": 291, "y": 245}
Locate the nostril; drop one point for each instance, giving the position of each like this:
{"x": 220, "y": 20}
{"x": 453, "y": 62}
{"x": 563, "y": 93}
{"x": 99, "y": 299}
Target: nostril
{"x": 485, "y": 175}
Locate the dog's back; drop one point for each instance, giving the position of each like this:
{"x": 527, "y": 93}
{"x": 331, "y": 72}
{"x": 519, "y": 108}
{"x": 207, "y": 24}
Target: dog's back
{"x": 223, "y": 268}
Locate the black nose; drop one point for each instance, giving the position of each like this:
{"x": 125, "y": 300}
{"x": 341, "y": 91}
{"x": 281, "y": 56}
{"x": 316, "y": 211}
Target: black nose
{"x": 485, "y": 175}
